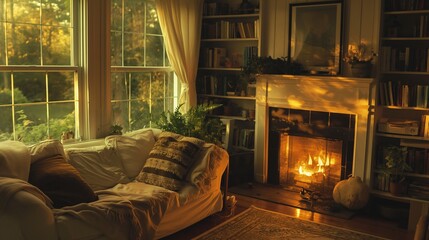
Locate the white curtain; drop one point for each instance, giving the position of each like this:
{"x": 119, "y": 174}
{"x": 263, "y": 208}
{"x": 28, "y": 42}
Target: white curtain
{"x": 180, "y": 22}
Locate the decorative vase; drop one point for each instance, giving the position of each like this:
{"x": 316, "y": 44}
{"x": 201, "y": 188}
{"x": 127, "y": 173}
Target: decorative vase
{"x": 397, "y": 188}
{"x": 362, "y": 69}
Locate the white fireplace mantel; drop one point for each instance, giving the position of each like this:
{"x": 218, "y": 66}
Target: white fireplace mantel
{"x": 317, "y": 93}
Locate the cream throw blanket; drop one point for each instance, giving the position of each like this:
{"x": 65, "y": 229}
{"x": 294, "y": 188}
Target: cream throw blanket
{"x": 117, "y": 215}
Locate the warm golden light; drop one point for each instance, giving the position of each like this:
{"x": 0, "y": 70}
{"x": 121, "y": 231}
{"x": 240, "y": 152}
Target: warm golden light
{"x": 308, "y": 169}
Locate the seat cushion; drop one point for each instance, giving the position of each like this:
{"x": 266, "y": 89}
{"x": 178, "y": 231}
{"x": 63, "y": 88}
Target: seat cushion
{"x": 60, "y": 181}
{"x": 169, "y": 160}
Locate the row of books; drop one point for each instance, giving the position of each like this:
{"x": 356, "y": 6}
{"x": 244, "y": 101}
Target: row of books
{"x": 218, "y": 57}
{"x": 243, "y": 137}
{"x": 396, "y": 93}
{"x": 413, "y": 59}
{"x": 230, "y": 29}
{"x": 419, "y": 189}
{"x": 406, "y": 5}
{"x": 217, "y": 84}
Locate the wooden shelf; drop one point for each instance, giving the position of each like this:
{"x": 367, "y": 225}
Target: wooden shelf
{"x": 423, "y": 11}
{"x": 405, "y": 199}
{"x": 234, "y": 16}
{"x": 406, "y": 73}
{"x": 227, "y": 97}
{"x": 220, "y": 69}
{"x": 404, "y": 108}
{"x": 399, "y": 136}
{"x": 228, "y": 39}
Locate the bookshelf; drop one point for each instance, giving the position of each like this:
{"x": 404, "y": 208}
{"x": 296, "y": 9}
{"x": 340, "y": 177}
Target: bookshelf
{"x": 231, "y": 35}
{"x": 403, "y": 97}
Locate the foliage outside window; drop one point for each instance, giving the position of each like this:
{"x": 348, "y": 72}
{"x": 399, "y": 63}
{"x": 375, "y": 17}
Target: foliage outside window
{"x": 38, "y": 75}
{"x": 143, "y": 83}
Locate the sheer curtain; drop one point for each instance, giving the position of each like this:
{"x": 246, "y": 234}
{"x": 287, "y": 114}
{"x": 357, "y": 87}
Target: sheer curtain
{"x": 180, "y": 22}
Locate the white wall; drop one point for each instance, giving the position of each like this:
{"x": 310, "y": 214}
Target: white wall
{"x": 361, "y": 24}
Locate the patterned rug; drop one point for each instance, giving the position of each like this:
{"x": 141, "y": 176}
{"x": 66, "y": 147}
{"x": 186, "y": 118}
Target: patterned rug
{"x": 256, "y": 223}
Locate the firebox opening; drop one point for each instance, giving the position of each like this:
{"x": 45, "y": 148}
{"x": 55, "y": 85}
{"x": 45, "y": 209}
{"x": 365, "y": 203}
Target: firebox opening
{"x": 309, "y": 149}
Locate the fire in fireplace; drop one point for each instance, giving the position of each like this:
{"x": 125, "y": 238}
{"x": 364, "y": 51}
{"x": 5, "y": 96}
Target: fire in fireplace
{"x": 310, "y": 150}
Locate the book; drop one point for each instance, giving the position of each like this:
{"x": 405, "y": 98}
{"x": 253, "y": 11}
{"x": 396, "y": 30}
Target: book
{"x": 424, "y": 126}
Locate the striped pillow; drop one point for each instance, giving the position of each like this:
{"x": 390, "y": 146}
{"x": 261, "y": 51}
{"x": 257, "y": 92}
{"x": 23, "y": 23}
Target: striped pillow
{"x": 169, "y": 160}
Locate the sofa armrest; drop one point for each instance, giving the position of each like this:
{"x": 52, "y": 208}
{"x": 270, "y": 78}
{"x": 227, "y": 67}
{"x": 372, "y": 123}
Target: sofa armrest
{"x": 207, "y": 172}
{"x": 27, "y": 217}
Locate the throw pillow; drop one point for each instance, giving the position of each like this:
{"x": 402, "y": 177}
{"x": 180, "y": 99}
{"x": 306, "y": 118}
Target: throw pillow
{"x": 170, "y": 160}
{"x": 60, "y": 181}
{"x": 46, "y": 148}
{"x": 133, "y": 150}
{"x": 100, "y": 168}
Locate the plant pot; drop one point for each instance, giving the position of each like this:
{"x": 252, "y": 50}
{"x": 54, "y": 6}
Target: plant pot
{"x": 398, "y": 188}
{"x": 361, "y": 70}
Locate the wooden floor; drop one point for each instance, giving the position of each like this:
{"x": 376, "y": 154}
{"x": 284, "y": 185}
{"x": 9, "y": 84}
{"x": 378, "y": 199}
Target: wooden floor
{"x": 360, "y": 222}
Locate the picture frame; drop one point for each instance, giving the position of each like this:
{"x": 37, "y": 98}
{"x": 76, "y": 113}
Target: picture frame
{"x": 315, "y": 37}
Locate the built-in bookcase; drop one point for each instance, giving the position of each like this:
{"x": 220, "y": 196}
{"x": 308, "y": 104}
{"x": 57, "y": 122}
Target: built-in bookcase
{"x": 231, "y": 35}
{"x": 402, "y": 111}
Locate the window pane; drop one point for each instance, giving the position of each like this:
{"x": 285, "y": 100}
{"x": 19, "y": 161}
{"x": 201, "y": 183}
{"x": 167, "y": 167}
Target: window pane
{"x": 154, "y": 51}
{"x": 116, "y": 16}
{"x": 133, "y": 49}
{"x": 157, "y": 86}
{"x": 134, "y": 16}
{"x": 23, "y": 44}
{"x": 119, "y": 86}
{"x": 140, "y": 86}
{"x": 61, "y": 86}
{"x": 5, "y": 89}
{"x": 56, "y": 13}
{"x": 152, "y": 24}
{"x": 23, "y": 11}
{"x": 120, "y": 114}
{"x": 32, "y": 86}
{"x": 115, "y": 48}
{"x": 140, "y": 115}
{"x": 6, "y": 126}
{"x": 56, "y": 46}
{"x": 61, "y": 119}
{"x": 31, "y": 123}
{"x": 170, "y": 90}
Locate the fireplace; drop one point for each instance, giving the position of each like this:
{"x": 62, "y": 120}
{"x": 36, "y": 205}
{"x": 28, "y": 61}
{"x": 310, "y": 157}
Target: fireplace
{"x": 307, "y": 118}
{"x": 309, "y": 149}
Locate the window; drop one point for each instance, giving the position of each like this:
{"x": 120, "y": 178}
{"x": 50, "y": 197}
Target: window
{"x": 38, "y": 71}
{"x": 42, "y": 88}
{"x": 143, "y": 83}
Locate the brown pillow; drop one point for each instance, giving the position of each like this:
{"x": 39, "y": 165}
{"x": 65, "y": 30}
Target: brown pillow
{"x": 60, "y": 181}
{"x": 169, "y": 161}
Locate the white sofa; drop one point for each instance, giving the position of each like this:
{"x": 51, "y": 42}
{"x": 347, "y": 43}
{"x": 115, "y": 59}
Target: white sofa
{"x": 122, "y": 173}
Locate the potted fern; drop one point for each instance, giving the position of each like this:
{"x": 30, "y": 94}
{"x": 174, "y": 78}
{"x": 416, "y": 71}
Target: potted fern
{"x": 396, "y": 167}
{"x": 194, "y": 123}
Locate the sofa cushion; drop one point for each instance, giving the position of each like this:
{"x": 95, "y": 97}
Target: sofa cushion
{"x": 60, "y": 181}
{"x": 100, "y": 168}
{"x": 133, "y": 150}
{"x": 170, "y": 160}
{"x": 45, "y": 149}
{"x": 14, "y": 160}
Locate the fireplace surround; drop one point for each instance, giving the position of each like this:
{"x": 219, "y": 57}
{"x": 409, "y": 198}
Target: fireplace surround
{"x": 319, "y": 95}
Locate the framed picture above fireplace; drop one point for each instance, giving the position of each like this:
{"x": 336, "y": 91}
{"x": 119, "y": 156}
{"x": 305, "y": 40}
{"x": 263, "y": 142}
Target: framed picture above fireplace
{"x": 315, "y": 36}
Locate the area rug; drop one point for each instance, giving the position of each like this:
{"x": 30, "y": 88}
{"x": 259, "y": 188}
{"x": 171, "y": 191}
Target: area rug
{"x": 257, "y": 223}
